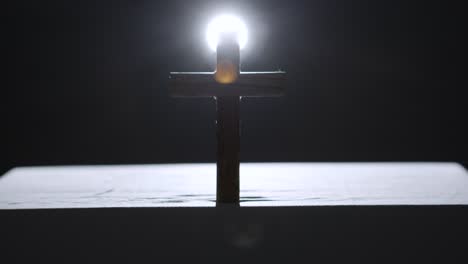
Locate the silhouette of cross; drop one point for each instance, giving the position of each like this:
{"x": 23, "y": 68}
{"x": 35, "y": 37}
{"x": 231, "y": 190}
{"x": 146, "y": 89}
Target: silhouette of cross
{"x": 227, "y": 85}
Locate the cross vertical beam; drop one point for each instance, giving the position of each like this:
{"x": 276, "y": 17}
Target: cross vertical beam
{"x": 227, "y": 122}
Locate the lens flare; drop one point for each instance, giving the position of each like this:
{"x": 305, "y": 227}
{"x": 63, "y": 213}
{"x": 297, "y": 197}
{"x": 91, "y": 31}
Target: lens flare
{"x": 226, "y": 23}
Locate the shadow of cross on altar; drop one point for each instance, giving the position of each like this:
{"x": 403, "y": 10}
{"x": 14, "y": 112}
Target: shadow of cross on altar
{"x": 227, "y": 85}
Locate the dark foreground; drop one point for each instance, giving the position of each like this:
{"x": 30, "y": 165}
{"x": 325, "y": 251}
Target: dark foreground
{"x": 308, "y": 234}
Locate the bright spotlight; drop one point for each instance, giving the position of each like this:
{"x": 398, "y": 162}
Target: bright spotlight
{"x": 226, "y": 24}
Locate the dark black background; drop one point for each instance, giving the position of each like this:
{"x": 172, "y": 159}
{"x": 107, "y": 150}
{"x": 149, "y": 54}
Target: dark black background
{"x": 85, "y": 82}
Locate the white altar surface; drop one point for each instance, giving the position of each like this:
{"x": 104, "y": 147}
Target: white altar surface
{"x": 261, "y": 184}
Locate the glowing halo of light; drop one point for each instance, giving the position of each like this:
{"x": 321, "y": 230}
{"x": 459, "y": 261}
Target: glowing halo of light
{"x": 226, "y": 23}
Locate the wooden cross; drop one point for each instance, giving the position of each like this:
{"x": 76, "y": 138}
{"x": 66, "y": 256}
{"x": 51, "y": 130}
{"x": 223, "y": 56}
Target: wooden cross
{"x": 227, "y": 85}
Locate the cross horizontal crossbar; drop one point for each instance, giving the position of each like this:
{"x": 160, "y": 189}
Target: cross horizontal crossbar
{"x": 249, "y": 84}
